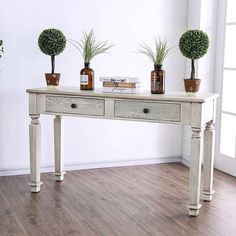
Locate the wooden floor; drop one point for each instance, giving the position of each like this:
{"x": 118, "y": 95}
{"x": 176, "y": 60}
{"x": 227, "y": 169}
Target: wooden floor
{"x": 127, "y": 201}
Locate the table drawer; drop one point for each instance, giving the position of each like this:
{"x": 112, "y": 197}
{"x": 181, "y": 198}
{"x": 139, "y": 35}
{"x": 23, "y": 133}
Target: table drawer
{"x": 148, "y": 110}
{"x": 75, "y": 105}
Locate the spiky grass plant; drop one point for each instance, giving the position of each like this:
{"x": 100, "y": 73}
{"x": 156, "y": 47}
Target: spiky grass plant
{"x": 158, "y": 55}
{"x": 89, "y": 47}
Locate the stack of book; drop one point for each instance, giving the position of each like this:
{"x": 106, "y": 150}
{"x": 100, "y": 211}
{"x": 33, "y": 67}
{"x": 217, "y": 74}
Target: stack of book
{"x": 120, "y": 84}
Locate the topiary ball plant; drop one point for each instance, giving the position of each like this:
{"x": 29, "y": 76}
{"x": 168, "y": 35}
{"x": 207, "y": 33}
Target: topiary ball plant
{"x": 52, "y": 42}
{"x": 194, "y": 44}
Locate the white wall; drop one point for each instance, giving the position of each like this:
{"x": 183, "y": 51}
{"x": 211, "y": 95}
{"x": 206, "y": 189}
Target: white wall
{"x": 87, "y": 141}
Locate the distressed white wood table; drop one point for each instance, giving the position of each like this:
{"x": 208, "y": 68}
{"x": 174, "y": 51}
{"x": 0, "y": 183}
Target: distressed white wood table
{"x": 174, "y": 107}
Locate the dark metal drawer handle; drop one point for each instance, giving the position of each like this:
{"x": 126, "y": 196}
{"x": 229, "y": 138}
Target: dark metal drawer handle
{"x": 73, "y": 105}
{"x": 145, "y": 110}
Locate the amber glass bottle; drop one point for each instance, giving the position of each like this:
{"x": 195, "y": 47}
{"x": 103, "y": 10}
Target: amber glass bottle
{"x": 158, "y": 80}
{"x": 87, "y": 78}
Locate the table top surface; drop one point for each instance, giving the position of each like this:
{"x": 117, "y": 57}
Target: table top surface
{"x": 168, "y": 96}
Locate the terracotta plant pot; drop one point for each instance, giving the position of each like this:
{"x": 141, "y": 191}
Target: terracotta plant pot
{"x": 52, "y": 79}
{"x": 192, "y": 85}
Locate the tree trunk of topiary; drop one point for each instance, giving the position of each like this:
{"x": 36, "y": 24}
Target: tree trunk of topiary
{"x": 192, "y": 69}
{"x": 53, "y": 63}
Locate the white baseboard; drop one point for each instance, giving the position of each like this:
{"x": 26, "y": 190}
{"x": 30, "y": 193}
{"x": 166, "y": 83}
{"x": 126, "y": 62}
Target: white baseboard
{"x": 185, "y": 160}
{"x": 44, "y": 169}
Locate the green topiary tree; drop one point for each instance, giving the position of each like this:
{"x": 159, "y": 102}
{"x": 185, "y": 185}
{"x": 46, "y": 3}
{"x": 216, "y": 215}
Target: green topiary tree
{"x": 52, "y": 42}
{"x": 194, "y": 44}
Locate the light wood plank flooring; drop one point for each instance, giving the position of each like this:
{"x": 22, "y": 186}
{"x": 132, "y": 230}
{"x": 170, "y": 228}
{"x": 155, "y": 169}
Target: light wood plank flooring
{"x": 126, "y": 201}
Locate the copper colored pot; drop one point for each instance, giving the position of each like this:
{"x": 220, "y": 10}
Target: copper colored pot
{"x": 192, "y": 85}
{"x": 52, "y": 79}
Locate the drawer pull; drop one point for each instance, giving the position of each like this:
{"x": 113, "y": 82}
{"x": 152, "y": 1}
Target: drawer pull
{"x": 73, "y": 105}
{"x": 145, "y": 110}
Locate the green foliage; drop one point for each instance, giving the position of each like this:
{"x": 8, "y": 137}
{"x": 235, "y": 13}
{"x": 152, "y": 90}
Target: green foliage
{"x": 52, "y": 42}
{"x": 1, "y": 48}
{"x": 89, "y": 47}
{"x": 158, "y": 55}
{"x": 194, "y": 44}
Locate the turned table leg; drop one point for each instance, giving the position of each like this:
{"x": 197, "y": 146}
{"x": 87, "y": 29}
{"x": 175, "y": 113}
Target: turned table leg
{"x": 208, "y": 163}
{"x": 35, "y": 153}
{"x": 59, "y": 173}
{"x": 195, "y": 173}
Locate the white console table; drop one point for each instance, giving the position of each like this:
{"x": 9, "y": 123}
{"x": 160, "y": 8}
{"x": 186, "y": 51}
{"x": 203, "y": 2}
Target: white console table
{"x": 198, "y": 111}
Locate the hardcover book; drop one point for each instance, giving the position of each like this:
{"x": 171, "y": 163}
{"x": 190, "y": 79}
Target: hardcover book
{"x": 120, "y": 90}
{"x": 120, "y": 79}
{"x": 121, "y": 84}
